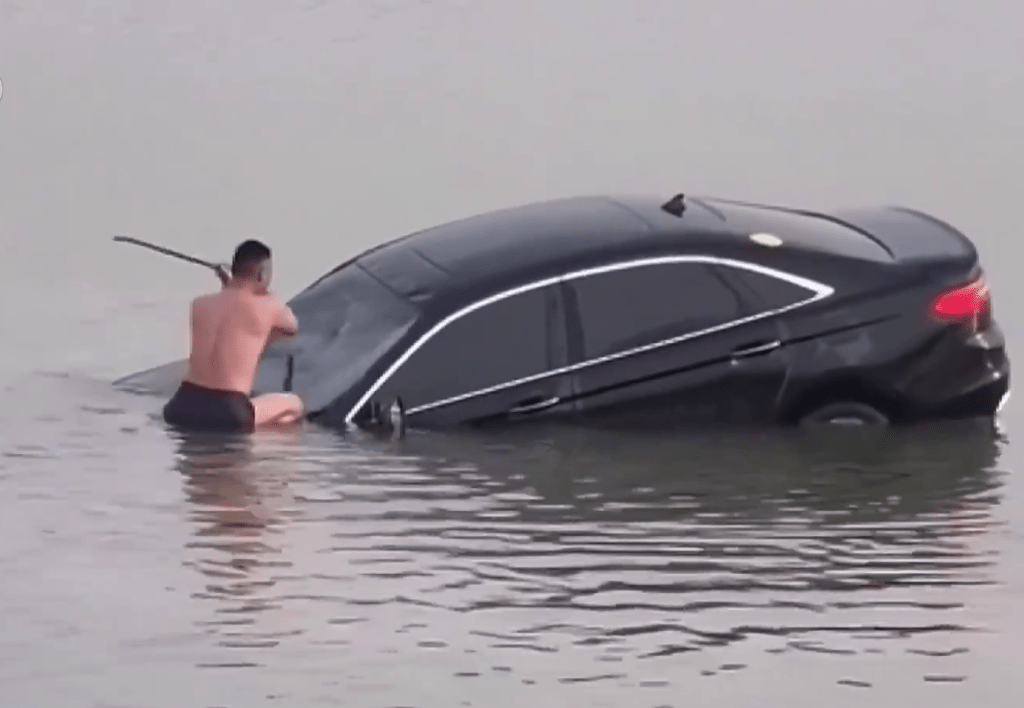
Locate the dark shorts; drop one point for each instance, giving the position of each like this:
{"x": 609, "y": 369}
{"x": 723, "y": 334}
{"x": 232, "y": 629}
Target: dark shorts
{"x": 208, "y": 409}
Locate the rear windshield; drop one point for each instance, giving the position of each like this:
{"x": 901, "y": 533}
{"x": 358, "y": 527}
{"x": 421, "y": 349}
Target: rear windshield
{"x": 347, "y": 321}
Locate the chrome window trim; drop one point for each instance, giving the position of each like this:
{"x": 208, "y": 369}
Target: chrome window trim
{"x": 820, "y": 291}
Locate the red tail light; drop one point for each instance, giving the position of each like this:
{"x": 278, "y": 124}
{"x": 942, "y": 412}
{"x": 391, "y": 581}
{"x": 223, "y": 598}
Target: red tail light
{"x": 968, "y": 303}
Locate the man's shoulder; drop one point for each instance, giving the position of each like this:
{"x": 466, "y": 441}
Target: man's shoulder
{"x": 270, "y": 301}
{"x": 213, "y": 301}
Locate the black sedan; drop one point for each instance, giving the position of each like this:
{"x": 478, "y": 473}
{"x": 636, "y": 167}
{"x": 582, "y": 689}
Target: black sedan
{"x": 640, "y": 311}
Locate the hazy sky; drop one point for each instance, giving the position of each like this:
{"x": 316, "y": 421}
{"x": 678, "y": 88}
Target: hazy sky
{"x": 327, "y": 127}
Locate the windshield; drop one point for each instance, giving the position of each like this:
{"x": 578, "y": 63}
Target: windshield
{"x": 347, "y": 321}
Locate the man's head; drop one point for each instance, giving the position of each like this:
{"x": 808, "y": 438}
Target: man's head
{"x": 252, "y": 263}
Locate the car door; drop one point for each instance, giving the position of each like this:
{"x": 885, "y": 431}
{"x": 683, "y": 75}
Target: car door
{"x": 781, "y": 296}
{"x": 496, "y": 361}
{"x": 670, "y": 342}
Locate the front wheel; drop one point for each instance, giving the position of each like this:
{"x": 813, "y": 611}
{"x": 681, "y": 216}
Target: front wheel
{"x": 847, "y": 413}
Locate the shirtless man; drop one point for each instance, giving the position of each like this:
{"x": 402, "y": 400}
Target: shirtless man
{"x": 229, "y": 332}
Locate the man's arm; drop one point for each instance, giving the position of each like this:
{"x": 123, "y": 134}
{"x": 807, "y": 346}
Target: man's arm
{"x": 285, "y": 324}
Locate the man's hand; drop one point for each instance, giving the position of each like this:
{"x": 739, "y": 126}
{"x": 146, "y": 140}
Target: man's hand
{"x": 224, "y": 273}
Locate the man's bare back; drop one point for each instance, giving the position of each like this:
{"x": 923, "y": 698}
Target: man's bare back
{"x": 229, "y": 332}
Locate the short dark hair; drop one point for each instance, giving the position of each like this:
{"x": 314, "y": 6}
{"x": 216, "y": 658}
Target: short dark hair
{"x": 248, "y": 257}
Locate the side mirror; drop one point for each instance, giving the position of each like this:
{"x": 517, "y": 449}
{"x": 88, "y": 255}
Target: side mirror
{"x": 396, "y": 417}
{"x": 391, "y": 420}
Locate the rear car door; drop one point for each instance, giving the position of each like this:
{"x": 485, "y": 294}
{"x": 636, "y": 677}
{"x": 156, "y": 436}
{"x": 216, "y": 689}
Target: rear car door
{"x": 502, "y": 360}
{"x": 670, "y": 342}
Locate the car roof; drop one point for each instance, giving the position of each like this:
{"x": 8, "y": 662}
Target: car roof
{"x": 515, "y": 245}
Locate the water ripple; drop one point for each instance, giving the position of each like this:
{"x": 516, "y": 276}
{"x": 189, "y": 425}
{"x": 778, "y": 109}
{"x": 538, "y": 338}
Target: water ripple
{"x": 631, "y": 547}
{"x": 543, "y": 557}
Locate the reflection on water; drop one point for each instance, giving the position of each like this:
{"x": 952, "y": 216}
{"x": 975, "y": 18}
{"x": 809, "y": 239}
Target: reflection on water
{"x": 238, "y": 486}
{"x": 614, "y": 548}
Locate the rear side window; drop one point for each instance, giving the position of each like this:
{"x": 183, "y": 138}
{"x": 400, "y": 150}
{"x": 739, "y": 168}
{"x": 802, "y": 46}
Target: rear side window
{"x": 634, "y": 307}
{"x": 772, "y": 293}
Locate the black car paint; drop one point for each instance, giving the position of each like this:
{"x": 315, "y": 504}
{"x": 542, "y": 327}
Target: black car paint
{"x": 690, "y": 381}
{"x": 871, "y": 337}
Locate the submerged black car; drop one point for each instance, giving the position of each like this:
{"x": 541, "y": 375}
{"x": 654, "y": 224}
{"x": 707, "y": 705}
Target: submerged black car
{"x": 636, "y": 311}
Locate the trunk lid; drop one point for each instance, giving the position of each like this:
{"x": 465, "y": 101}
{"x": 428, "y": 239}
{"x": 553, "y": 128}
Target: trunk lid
{"x": 912, "y": 236}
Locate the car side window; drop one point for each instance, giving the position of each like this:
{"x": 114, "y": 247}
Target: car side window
{"x": 773, "y": 293}
{"x": 637, "y": 306}
{"x": 496, "y": 344}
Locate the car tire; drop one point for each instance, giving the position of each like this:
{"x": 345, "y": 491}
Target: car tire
{"x": 846, "y": 413}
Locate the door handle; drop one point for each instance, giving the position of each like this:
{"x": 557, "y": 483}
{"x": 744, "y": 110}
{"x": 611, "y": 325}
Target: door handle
{"x": 754, "y": 349}
{"x": 531, "y": 405}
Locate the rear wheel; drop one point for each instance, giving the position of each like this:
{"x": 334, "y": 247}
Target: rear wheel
{"x": 847, "y": 413}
